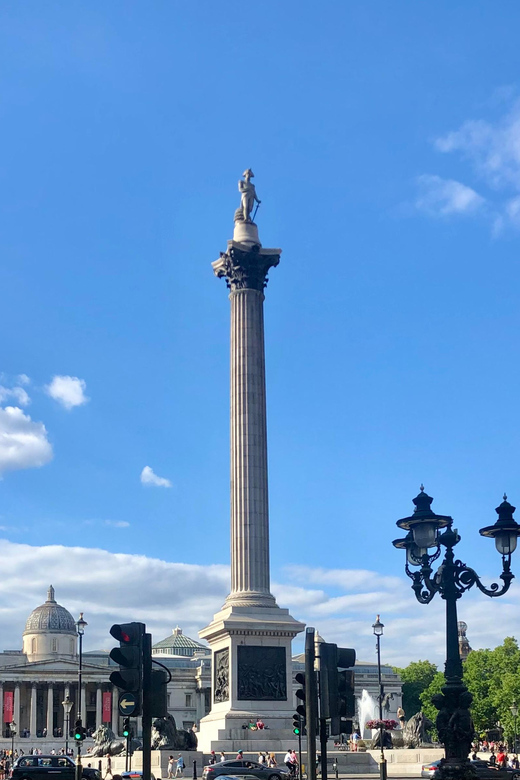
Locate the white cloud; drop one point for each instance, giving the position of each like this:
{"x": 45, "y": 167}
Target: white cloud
{"x": 69, "y": 391}
{"x": 160, "y": 593}
{"x": 23, "y": 379}
{"x": 163, "y": 594}
{"x": 117, "y": 523}
{"x": 492, "y": 147}
{"x": 17, "y": 393}
{"x": 148, "y": 477}
{"x": 23, "y": 443}
{"x": 444, "y": 197}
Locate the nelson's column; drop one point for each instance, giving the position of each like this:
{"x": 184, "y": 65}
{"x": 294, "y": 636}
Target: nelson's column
{"x": 251, "y": 636}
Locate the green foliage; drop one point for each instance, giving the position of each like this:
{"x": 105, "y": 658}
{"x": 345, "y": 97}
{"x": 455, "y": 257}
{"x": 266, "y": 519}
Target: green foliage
{"x": 416, "y": 677}
{"x": 426, "y": 699}
{"x": 493, "y": 677}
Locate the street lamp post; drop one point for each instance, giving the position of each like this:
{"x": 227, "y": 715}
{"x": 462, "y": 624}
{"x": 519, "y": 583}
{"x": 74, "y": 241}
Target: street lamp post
{"x": 80, "y": 628}
{"x": 514, "y": 713}
{"x": 378, "y": 633}
{"x": 67, "y": 705}
{"x": 12, "y": 730}
{"x": 423, "y": 546}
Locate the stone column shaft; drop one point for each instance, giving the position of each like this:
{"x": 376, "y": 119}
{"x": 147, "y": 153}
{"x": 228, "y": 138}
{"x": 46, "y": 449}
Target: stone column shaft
{"x": 249, "y": 491}
{"x": 50, "y": 710}
{"x": 99, "y": 706}
{"x": 245, "y": 269}
{"x": 83, "y": 703}
{"x": 32, "y": 718}
{"x": 17, "y": 703}
{"x": 115, "y": 712}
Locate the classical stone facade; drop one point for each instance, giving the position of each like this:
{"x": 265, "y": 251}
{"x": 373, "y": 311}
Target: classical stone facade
{"x": 35, "y": 680}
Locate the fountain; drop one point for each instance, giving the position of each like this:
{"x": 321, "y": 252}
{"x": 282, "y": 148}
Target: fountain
{"x": 367, "y": 709}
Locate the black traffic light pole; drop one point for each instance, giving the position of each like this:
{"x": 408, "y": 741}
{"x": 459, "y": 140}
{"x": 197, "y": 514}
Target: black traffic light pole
{"x": 300, "y": 751}
{"x": 311, "y": 702}
{"x": 147, "y": 707}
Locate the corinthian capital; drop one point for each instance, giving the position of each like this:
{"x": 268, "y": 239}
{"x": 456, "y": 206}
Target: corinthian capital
{"x": 245, "y": 268}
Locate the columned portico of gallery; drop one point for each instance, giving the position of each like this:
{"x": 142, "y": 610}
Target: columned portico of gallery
{"x": 36, "y": 707}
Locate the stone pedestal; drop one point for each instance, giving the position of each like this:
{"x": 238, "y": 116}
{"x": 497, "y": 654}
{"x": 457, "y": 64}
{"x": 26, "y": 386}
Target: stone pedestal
{"x": 251, "y": 636}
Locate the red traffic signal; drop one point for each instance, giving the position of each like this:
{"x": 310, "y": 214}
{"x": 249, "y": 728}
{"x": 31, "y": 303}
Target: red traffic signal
{"x": 128, "y": 633}
{"x": 129, "y": 657}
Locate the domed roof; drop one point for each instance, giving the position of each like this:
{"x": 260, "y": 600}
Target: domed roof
{"x": 179, "y": 644}
{"x": 50, "y": 618}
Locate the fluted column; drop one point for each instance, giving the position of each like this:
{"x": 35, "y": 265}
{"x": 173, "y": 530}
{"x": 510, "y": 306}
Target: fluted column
{"x": 246, "y": 272}
{"x": 115, "y": 711}
{"x": 16, "y": 716}
{"x": 83, "y": 703}
{"x": 99, "y": 706}
{"x": 50, "y": 710}
{"x": 32, "y": 717}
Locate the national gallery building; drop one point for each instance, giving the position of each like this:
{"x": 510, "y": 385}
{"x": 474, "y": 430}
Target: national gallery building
{"x": 35, "y": 680}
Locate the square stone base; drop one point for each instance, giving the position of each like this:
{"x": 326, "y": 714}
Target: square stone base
{"x": 251, "y": 674}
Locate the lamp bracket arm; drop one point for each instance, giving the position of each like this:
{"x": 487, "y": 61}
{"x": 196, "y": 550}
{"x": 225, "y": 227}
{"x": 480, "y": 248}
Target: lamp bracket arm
{"x": 466, "y": 577}
{"x": 423, "y": 587}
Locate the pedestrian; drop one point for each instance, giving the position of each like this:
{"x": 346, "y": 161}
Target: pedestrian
{"x": 502, "y": 757}
{"x": 179, "y": 772}
{"x": 212, "y": 758}
{"x": 240, "y": 755}
{"x": 171, "y": 766}
{"x": 271, "y": 761}
{"x": 492, "y": 758}
{"x": 109, "y": 765}
{"x": 222, "y": 755}
{"x": 287, "y": 759}
{"x": 261, "y": 758}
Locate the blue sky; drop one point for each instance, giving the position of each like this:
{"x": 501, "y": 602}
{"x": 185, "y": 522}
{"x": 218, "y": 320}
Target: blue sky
{"x": 385, "y": 141}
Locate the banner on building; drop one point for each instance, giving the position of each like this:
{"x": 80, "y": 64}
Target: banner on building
{"x": 8, "y": 706}
{"x": 107, "y": 706}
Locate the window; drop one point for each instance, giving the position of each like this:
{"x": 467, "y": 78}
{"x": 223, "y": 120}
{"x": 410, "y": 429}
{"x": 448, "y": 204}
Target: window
{"x": 168, "y": 700}
{"x": 54, "y": 646}
{"x": 188, "y": 700}
{"x": 33, "y": 645}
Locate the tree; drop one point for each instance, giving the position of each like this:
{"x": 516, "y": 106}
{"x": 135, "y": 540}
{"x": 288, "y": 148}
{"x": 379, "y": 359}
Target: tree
{"x": 426, "y": 699}
{"x": 416, "y": 677}
{"x": 493, "y": 677}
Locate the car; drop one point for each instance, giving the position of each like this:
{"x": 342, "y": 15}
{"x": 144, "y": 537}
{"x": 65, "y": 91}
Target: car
{"x": 43, "y": 768}
{"x": 134, "y": 774}
{"x": 89, "y": 773}
{"x": 244, "y": 767}
{"x": 428, "y": 770}
{"x": 484, "y": 771}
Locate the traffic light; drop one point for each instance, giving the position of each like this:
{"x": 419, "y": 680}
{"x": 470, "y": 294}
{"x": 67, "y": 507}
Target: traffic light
{"x": 158, "y": 693}
{"x": 126, "y": 728}
{"x": 80, "y": 732}
{"x": 336, "y": 684}
{"x": 129, "y": 656}
{"x": 347, "y": 700}
{"x": 299, "y": 717}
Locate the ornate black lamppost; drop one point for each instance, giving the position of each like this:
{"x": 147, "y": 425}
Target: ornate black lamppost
{"x": 67, "y": 705}
{"x": 452, "y": 578}
{"x": 80, "y": 628}
{"x": 12, "y": 730}
{"x": 378, "y": 627}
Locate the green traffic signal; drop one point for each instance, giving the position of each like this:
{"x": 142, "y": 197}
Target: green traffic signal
{"x": 296, "y": 731}
{"x": 126, "y": 728}
{"x": 126, "y": 733}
